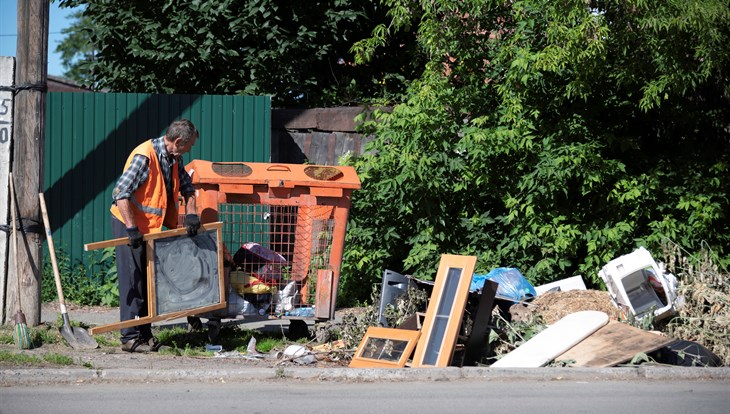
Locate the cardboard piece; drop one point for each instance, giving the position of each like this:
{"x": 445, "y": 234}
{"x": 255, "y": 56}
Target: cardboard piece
{"x": 613, "y": 344}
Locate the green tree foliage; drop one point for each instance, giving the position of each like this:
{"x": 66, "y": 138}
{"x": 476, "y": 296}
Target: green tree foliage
{"x": 298, "y": 52}
{"x": 77, "y": 50}
{"x": 551, "y": 136}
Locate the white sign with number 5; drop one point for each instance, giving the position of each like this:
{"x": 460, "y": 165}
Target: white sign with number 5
{"x": 7, "y": 75}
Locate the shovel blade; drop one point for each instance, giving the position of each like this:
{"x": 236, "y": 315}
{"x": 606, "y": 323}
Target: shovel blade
{"x": 78, "y": 338}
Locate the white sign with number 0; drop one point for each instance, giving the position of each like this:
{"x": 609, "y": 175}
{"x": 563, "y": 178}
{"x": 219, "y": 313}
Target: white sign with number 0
{"x": 7, "y": 75}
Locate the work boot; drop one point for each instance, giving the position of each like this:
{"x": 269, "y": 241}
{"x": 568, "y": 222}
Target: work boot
{"x": 214, "y": 329}
{"x": 195, "y": 324}
{"x": 154, "y": 344}
{"x": 137, "y": 345}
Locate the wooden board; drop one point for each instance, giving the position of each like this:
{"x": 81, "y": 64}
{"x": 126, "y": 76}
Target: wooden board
{"x": 613, "y": 344}
{"x": 553, "y": 341}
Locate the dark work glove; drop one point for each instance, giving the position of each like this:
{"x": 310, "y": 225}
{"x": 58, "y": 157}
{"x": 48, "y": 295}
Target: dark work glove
{"x": 192, "y": 223}
{"x": 135, "y": 237}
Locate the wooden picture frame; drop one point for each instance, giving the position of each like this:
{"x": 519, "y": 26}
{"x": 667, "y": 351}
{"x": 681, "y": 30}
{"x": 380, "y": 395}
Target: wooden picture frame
{"x": 445, "y": 311}
{"x": 384, "y": 348}
{"x": 162, "y": 290}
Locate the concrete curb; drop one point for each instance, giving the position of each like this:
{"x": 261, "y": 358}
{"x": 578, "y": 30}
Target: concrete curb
{"x": 9, "y": 377}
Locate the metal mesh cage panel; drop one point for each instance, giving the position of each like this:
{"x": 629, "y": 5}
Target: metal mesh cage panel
{"x": 276, "y": 248}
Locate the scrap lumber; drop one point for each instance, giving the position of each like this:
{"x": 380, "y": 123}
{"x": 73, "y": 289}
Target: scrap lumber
{"x": 613, "y": 344}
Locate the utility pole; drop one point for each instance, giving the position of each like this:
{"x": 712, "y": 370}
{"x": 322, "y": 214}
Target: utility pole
{"x": 28, "y": 155}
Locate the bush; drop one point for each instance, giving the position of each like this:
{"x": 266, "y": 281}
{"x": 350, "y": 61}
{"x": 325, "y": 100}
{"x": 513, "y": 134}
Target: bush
{"x": 94, "y": 284}
{"x": 555, "y": 139}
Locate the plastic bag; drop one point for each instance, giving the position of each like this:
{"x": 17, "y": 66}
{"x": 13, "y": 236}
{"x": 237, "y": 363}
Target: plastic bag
{"x": 244, "y": 282}
{"x": 287, "y": 298}
{"x": 238, "y": 306}
{"x": 512, "y": 284}
{"x": 267, "y": 264}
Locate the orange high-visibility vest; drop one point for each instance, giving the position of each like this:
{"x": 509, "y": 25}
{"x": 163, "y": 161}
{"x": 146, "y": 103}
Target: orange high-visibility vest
{"x": 149, "y": 203}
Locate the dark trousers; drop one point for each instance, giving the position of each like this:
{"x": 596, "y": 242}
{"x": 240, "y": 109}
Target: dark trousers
{"x": 132, "y": 275}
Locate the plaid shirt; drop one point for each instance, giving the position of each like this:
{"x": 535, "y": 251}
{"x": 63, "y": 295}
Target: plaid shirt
{"x": 139, "y": 170}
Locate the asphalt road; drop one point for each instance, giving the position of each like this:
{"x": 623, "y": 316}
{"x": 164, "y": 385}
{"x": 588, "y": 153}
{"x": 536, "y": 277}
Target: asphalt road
{"x": 300, "y": 397}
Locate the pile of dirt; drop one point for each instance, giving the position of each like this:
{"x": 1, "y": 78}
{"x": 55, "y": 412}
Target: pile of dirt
{"x": 550, "y": 307}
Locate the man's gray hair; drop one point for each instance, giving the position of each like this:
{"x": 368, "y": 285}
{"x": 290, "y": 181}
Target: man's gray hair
{"x": 183, "y": 129}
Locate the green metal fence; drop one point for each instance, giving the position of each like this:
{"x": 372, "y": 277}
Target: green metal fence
{"x": 90, "y": 135}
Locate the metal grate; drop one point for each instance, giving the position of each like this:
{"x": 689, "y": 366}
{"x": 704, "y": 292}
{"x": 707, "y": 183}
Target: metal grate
{"x": 231, "y": 170}
{"x": 277, "y": 251}
{"x": 322, "y": 173}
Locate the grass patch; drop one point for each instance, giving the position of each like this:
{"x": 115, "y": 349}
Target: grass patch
{"x": 186, "y": 351}
{"x": 22, "y": 359}
{"x": 45, "y": 334}
{"x": 41, "y": 334}
{"x": 6, "y": 338}
{"x": 19, "y": 359}
{"x": 58, "y": 359}
{"x": 192, "y": 343}
{"x": 103, "y": 340}
{"x": 266, "y": 344}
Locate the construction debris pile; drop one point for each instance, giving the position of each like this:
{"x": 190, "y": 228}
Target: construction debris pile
{"x": 646, "y": 315}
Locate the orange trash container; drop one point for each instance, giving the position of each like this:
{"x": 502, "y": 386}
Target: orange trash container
{"x": 284, "y": 229}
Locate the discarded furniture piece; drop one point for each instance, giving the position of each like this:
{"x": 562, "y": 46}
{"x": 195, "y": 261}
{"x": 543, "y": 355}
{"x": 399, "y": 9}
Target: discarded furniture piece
{"x": 394, "y": 285}
{"x": 298, "y": 212}
{"x": 637, "y": 284}
{"x": 414, "y": 322}
{"x": 563, "y": 285}
{"x": 472, "y": 343}
{"x": 554, "y": 340}
{"x": 613, "y": 344}
{"x": 445, "y": 311}
{"x": 184, "y": 275}
{"x": 477, "y": 345}
{"x": 384, "y": 348}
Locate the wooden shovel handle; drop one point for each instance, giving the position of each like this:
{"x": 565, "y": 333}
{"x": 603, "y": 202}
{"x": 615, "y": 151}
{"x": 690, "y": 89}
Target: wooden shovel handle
{"x": 52, "y": 252}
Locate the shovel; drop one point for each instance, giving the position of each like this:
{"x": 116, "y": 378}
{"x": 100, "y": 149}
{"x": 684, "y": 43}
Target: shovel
{"x": 76, "y": 337}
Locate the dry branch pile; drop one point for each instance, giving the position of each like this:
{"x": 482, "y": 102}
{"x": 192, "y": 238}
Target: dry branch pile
{"x": 704, "y": 317}
{"x": 552, "y": 306}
